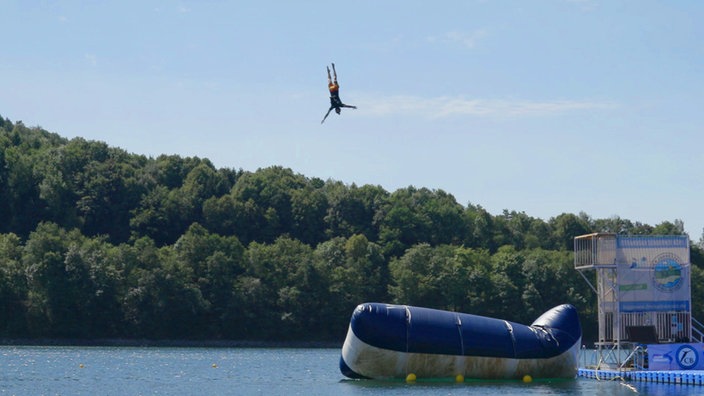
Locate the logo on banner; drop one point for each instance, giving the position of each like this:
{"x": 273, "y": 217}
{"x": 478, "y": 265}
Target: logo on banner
{"x": 667, "y": 274}
{"x": 687, "y": 357}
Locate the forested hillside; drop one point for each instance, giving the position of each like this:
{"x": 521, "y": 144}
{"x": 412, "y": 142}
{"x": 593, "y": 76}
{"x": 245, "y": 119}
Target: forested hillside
{"x": 96, "y": 242}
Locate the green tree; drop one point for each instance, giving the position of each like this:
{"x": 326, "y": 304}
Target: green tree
{"x": 54, "y": 305}
{"x": 21, "y": 206}
{"x": 567, "y": 226}
{"x": 270, "y": 191}
{"x": 5, "y": 217}
{"x": 482, "y": 229}
{"x": 162, "y": 300}
{"x": 162, "y": 215}
{"x": 417, "y": 216}
{"x": 668, "y": 228}
{"x": 550, "y": 280}
{"x": 468, "y": 281}
{"x": 444, "y": 277}
{"x": 107, "y": 192}
{"x": 170, "y": 171}
{"x": 508, "y": 282}
{"x": 416, "y": 276}
{"x": 140, "y": 259}
{"x": 13, "y": 287}
{"x": 354, "y": 271}
{"x": 354, "y": 210}
{"x": 522, "y": 231}
{"x": 215, "y": 262}
{"x": 61, "y": 169}
{"x": 250, "y": 304}
{"x": 201, "y": 183}
{"x": 291, "y": 288}
{"x": 308, "y": 208}
{"x": 97, "y": 280}
{"x": 228, "y": 216}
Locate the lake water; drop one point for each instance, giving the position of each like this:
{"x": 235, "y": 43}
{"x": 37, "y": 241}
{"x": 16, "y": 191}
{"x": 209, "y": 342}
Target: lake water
{"x": 246, "y": 371}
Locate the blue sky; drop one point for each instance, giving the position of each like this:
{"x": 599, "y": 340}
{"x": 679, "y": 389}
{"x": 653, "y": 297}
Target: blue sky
{"x": 545, "y": 107}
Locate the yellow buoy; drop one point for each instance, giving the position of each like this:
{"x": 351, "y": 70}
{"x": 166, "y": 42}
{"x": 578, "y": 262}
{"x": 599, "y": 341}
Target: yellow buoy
{"x": 459, "y": 378}
{"x": 215, "y": 365}
{"x": 81, "y": 365}
{"x": 527, "y": 378}
{"x": 411, "y": 377}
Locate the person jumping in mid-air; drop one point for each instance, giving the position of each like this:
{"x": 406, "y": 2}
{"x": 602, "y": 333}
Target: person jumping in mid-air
{"x": 334, "y": 87}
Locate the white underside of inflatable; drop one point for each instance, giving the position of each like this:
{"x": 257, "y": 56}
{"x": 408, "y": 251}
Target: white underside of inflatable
{"x": 379, "y": 363}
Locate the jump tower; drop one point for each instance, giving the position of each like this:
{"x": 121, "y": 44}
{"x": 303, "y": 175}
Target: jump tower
{"x": 643, "y": 286}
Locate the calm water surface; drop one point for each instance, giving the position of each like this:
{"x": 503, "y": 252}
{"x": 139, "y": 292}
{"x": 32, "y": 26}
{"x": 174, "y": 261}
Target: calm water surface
{"x": 246, "y": 371}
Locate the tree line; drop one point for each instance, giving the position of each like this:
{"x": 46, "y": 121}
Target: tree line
{"x": 96, "y": 242}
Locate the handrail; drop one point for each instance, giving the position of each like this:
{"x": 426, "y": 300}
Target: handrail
{"x": 697, "y": 325}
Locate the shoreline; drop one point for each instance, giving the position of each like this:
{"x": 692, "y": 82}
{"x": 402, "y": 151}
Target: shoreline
{"x": 117, "y": 342}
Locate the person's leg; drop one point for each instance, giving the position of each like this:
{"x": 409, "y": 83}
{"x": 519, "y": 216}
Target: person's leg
{"x": 334, "y": 73}
{"x": 329, "y": 78}
{"x": 326, "y": 114}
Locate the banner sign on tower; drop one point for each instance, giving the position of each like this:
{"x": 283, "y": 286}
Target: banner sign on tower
{"x": 653, "y": 273}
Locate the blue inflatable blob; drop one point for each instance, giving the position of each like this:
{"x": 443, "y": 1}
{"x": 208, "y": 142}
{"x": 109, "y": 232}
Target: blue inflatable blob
{"x": 392, "y": 341}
